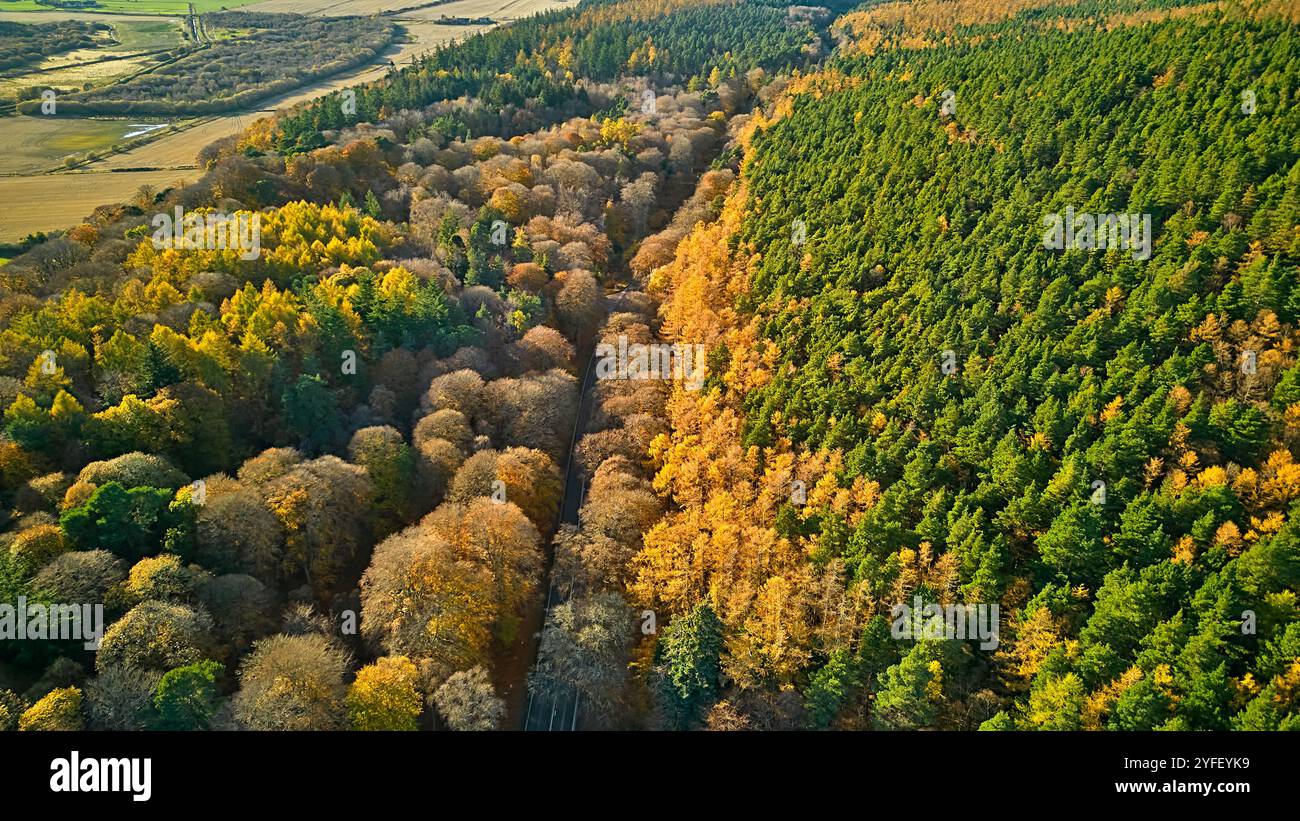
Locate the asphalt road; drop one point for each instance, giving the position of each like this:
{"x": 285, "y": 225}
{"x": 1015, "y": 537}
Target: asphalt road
{"x": 556, "y": 711}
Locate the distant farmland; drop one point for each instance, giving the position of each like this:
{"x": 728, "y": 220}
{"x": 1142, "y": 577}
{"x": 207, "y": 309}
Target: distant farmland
{"x": 178, "y": 7}
{"x": 496, "y": 9}
{"x": 36, "y": 144}
{"x": 55, "y": 201}
{"x": 52, "y": 201}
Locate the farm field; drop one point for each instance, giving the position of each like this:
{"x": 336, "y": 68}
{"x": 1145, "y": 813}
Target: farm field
{"x": 41, "y": 143}
{"x": 135, "y": 33}
{"x": 146, "y": 34}
{"x": 9, "y": 12}
{"x": 73, "y": 70}
{"x": 179, "y": 150}
{"x": 497, "y": 9}
{"x": 126, "y": 53}
{"x": 38, "y": 145}
{"x": 178, "y": 7}
{"x": 50, "y": 201}
{"x": 501, "y": 10}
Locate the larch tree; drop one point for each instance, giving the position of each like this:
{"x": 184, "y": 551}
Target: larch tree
{"x": 386, "y": 696}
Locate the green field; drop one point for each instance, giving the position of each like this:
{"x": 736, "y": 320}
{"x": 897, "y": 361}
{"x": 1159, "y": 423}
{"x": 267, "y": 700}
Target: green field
{"x": 132, "y": 6}
{"x": 138, "y": 35}
{"x": 124, "y": 54}
{"x": 35, "y": 144}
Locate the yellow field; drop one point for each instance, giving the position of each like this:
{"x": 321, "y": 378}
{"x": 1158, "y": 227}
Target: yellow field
{"x": 134, "y": 32}
{"x": 55, "y": 201}
{"x": 497, "y": 10}
{"x": 160, "y": 8}
{"x": 55, "y": 15}
{"x": 73, "y": 76}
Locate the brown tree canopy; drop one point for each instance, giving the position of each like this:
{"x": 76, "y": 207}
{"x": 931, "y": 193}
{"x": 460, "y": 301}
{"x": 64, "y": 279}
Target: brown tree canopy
{"x": 460, "y": 390}
{"x": 420, "y": 598}
{"x": 527, "y": 276}
{"x": 528, "y": 478}
{"x": 468, "y": 702}
{"x": 293, "y": 683}
{"x": 540, "y": 349}
{"x": 535, "y": 411}
{"x": 585, "y": 646}
{"x": 447, "y": 423}
{"x": 498, "y": 537}
{"x": 156, "y": 635}
{"x": 235, "y": 531}
{"x": 588, "y": 562}
{"x": 323, "y": 506}
{"x": 390, "y": 464}
{"x": 620, "y": 506}
{"x": 436, "y": 462}
{"x": 269, "y": 464}
{"x": 579, "y": 304}
{"x": 82, "y": 576}
{"x": 398, "y": 371}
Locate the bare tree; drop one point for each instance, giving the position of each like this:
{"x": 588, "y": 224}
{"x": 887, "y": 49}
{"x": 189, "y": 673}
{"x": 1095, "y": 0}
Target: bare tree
{"x": 585, "y": 646}
{"x": 466, "y": 701}
{"x": 292, "y": 683}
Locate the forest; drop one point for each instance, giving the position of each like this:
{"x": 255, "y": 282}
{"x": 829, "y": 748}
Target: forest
{"x": 365, "y": 481}
{"x": 307, "y": 460}
{"x": 691, "y": 42}
{"x": 1103, "y": 447}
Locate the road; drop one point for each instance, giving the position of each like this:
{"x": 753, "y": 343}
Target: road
{"x": 560, "y": 710}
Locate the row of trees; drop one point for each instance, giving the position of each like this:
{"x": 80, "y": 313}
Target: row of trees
{"x": 588, "y": 638}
